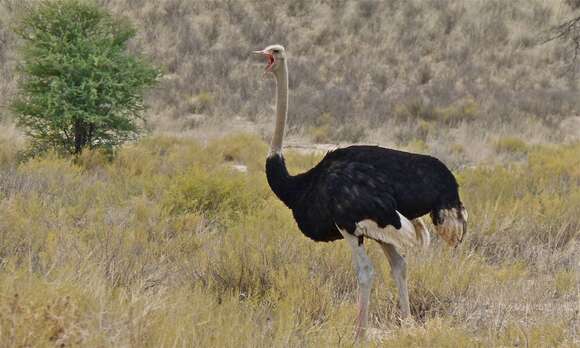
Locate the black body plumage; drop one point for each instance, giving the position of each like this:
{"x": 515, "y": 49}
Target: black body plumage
{"x": 362, "y": 182}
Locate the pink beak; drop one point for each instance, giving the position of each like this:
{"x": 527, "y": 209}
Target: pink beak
{"x": 263, "y": 52}
{"x": 270, "y": 57}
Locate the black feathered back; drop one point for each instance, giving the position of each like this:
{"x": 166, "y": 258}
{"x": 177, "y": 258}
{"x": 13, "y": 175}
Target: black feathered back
{"x": 362, "y": 182}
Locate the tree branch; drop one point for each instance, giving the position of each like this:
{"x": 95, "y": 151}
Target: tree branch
{"x": 567, "y": 31}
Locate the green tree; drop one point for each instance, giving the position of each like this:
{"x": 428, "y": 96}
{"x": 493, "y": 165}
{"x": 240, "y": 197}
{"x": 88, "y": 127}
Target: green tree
{"x": 79, "y": 86}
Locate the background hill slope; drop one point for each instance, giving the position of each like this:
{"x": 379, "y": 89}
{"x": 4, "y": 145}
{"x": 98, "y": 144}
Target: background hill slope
{"x": 369, "y": 62}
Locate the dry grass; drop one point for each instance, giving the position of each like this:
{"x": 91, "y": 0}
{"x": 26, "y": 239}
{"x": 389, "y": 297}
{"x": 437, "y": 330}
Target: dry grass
{"x": 167, "y": 245}
{"x": 438, "y": 77}
{"x": 443, "y": 62}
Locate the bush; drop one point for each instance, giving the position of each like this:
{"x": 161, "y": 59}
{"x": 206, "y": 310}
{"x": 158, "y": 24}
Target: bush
{"x": 80, "y": 87}
{"x": 511, "y": 145}
{"x": 223, "y": 195}
{"x": 326, "y": 130}
{"x": 202, "y": 102}
{"x": 538, "y": 202}
{"x": 463, "y": 110}
{"x": 415, "y": 108}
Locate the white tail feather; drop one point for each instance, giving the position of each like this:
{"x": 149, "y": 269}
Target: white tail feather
{"x": 422, "y": 232}
{"x": 452, "y": 225}
{"x": 407, "y": 228}
{"x": 411, "y": 234}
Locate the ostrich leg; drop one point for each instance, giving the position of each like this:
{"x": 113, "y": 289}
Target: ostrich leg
{"x": 365, "y": 272}
{"x": 399, "y": 272}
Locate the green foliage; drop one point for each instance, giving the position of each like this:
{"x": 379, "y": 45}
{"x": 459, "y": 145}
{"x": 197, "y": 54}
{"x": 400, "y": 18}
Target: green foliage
{"x": 80, "y": 86}
{"x": 221, "y": 194}
{"x": 418, "y": 146}
{"x": 202, "y": 102}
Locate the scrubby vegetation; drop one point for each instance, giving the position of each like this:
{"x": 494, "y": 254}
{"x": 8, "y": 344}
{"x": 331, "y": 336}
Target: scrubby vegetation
{"x": 79, "y": 88}
{"x": 178, "y": 241}
{"x": 443, "y": 61}
{"x": 169, "y": 245}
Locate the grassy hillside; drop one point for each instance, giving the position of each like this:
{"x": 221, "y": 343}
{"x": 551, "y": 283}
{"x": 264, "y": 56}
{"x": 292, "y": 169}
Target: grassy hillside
{"x": 168, "y": 245}
{"x": 435, "y": 63}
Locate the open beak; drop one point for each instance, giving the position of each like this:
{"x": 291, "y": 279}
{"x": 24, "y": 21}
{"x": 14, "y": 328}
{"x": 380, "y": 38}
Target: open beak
{"x": 270, "y": 59}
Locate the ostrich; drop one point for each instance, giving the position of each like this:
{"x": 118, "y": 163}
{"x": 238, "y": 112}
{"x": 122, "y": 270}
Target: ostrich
{"x": 364, "y": 192}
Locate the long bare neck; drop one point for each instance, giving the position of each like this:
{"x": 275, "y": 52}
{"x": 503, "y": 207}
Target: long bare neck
{"x": 281, "y": 108}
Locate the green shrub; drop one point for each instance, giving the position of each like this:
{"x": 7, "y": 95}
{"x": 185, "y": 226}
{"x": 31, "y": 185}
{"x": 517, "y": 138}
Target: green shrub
{"x": 223, "y": 194}
{"x": 511, "y": 145}
{"x": 320, "y": 134}
{"x": 465, "y": 109}
{"x": 415, "y": 108}
{"x": 202, "y": 102}
{"x": 80, "y": 86}
{"x": 565, "y": 282}
{"x": 417, "y": 145}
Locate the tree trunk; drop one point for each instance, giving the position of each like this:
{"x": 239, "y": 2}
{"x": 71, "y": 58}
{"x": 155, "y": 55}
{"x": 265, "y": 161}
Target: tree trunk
{"x": 81, "y": 136}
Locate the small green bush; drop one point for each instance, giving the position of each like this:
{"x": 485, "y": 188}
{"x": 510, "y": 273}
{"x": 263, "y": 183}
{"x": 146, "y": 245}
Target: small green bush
{"x": 80, "y": 87}
{"x": 202, "y": 102}
{"x": 511, "y": 145}
{"x": 320, "y": 134}
{"x": 465, "y": 109}
{"x": 223, "y": 194}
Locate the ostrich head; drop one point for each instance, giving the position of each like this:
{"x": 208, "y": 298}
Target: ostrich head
{"x": 275, "y": 54}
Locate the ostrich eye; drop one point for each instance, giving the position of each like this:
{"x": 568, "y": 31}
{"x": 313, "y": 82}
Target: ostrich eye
{"x": 275, "y": 50}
